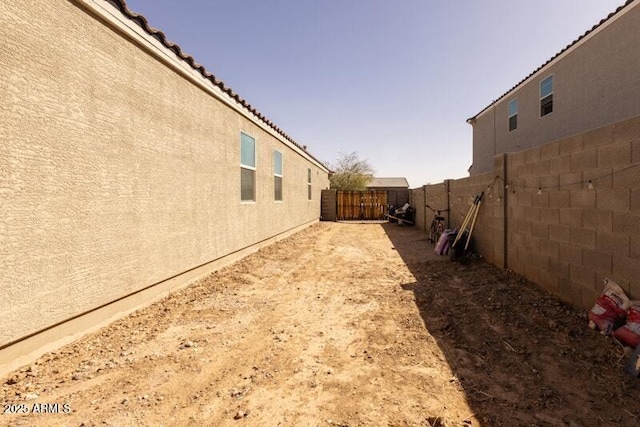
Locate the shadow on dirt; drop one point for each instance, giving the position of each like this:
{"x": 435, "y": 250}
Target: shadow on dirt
{"x": 522, "y": 356}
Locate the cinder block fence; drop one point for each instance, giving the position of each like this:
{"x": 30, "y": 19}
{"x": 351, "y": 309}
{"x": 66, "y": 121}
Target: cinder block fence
{"x": 564, "y": 215}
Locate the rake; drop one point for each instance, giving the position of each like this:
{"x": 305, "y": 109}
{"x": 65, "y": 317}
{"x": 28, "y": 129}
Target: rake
{"x": 470, "y": 217}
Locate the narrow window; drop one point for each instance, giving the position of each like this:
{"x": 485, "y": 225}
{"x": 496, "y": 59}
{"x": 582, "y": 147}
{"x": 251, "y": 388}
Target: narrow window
{"x": 513, "y": 114}
{"x": 309, "y": 184}
{"x": 247, "y": 168}
{"x": 277, "y": 175}
{"x": 546, "y": 96}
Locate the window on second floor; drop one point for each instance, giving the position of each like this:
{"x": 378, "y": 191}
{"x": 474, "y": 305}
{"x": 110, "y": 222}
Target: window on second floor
{"x": 309, "y": 184}
{"x": 546, "y": 96}
{"x": 513, "y": 114}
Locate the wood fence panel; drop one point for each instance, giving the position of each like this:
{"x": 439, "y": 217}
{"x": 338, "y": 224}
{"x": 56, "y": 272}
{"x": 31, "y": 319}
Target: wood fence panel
{"x": 362, "y": 205}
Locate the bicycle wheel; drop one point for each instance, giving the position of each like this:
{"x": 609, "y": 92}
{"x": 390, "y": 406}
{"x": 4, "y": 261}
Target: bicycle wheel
{"x": 433, "y": 231}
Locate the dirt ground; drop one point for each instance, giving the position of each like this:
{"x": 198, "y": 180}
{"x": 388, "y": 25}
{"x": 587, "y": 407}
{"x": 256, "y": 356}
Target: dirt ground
{"x": 338, "y": 325}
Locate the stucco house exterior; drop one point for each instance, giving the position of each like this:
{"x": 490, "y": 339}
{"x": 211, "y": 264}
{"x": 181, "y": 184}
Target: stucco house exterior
{"x": 591, "y": 83}
{"x": 126, "y": 170}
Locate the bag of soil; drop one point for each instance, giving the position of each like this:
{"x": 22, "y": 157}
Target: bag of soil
{"x": 629, "y": 334}
{"x": 442, "y": 247}
{"x": 610, "y": 308}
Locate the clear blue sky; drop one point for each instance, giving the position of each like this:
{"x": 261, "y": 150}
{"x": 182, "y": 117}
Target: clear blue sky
{"x": 394, "y": 80}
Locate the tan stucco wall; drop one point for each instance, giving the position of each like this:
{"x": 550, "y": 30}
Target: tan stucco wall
{"x": 595, "y": 83}
{"x": 116, "y": 171}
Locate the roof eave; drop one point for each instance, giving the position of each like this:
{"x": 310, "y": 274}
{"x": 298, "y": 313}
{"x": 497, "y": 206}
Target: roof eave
{"x": 158, "y": 35}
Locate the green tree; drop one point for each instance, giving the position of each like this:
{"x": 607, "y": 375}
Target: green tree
{"x": 351, "y": 173}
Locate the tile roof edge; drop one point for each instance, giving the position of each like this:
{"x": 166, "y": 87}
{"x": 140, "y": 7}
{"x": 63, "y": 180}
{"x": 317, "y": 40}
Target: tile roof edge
{"x": 142, "y": 22}
{"x": 567, "y": 47}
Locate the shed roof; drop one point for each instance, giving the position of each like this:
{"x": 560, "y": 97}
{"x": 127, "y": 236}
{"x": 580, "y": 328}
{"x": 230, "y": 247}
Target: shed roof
{"x": 142, "y": 22}
{"x": 389, "y": 183}
{"x": 579, "y": 39}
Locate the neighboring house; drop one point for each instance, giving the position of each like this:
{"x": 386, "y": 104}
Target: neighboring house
{"x": 397, "y": 189}
{"x": 126, "y": 170}
{"x": 593, "y": 82}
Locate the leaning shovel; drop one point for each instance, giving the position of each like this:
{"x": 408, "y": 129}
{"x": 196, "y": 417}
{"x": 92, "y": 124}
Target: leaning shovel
{"x": 467, "y": 218}
{"x": 473, "y": 223}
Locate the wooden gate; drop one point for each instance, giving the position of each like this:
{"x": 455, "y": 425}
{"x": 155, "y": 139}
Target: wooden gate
{"x": 362, "y": 205}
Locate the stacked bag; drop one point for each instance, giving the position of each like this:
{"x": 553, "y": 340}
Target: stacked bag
{"x": 629, "y": 334}
{"x": 611, "y": 310}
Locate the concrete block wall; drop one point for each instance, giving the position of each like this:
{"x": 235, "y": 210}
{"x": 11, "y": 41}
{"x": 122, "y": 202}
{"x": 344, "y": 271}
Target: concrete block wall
{"x": 437, "y": 197}
{"x": 454, "y": 199}
{"x": 571, "y": 217}
{"x": 488, "y": 228}
{"x": 120, "y": 167}
{"x": 427, "y": 198}
{"x": 565, "y": 214}
{"x": 416, "y": 199}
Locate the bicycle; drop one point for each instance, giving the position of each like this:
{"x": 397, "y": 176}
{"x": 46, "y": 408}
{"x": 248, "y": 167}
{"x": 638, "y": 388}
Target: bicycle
{"x": 437, "y": 225}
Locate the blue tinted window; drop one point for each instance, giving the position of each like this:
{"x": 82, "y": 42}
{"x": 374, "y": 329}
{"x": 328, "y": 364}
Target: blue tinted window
{"x": 248, "y": 150}
{"x": 277, "y": 162}
{"x": 546, "y": 87}
{"x": 513, "y": 107}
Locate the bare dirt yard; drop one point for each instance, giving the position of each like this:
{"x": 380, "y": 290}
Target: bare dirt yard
{"x": 338, "y": 325}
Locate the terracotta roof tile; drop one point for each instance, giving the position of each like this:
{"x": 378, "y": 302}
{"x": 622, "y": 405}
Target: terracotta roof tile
{"x": 142, "y": 22}
{"x": 628, "y": 2}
